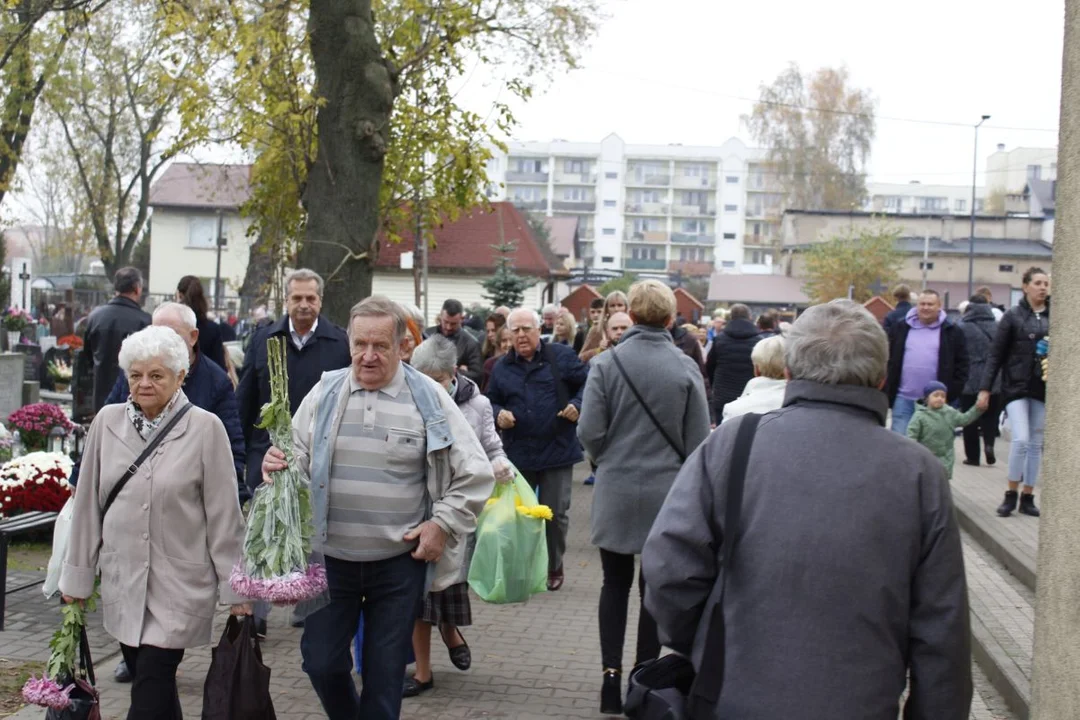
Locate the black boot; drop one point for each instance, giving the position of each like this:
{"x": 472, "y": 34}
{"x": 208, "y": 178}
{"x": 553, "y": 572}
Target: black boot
{"x": 1006, "y": 508}
{"x": 991, "y": 458}
{"x": 611, "y": 693}
{"x": 1027, "y": 505}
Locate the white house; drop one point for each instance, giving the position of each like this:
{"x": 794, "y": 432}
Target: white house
{"x": 190, "y": 201}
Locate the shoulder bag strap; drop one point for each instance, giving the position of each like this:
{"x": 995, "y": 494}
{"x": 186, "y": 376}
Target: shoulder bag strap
{"x": 86, "y": 663}
{"x": 134, "y": 468}
{"x": 630, "y": 383}
{"x": 562, "y": 395}
{"x": 710, "y": 676}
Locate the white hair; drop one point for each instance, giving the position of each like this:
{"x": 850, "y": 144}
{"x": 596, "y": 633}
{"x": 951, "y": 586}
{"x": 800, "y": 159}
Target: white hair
{"x": 416, "y": 314}
{"x": 304, "y": 275}
{"x": 535, "y": 316}
{"x": 837, "y": 343}
{"x": 436, "y": 355}
{"x": 155, "y": 343}
{"x": 180, "y": 311}
{"x": 550, "y": 307}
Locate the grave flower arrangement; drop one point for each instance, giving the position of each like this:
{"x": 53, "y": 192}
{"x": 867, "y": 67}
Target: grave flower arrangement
{"x": 7, "y": 444}
{"x": 16, "y": 319}
{"x": 53, "y": 689}
{"x": 274, "y": 566}
{"x": 60, "y": 371}
{"x": 37, "y": 482}
{"x": 35, "y": 421}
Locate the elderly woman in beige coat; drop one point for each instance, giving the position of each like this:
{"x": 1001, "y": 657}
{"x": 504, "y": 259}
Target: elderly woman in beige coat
{"x": 170, "y": 540}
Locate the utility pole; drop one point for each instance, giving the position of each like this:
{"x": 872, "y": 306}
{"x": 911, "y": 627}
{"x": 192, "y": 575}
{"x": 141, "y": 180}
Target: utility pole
{"x": 217, "y": 272}
{"x": 925, "y": 259}
{"x": 971, "y": 239}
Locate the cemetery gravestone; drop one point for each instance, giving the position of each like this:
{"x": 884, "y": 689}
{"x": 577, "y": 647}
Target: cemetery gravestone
{"x": 12, "y": 376}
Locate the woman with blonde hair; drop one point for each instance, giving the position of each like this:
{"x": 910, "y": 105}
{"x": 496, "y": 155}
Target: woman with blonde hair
{"x": 765, "y": 391}
{"x": 565, "y": 328}
{"x": 615, "y": 302}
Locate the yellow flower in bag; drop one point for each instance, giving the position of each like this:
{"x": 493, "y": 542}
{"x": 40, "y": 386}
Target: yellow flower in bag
{"x": 542, "y": 512}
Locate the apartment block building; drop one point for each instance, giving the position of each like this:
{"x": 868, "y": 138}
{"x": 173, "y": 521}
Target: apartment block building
{"x": 916, "y": 198}
{"x": 651, "y": 209}
{"x": 1007, "y": 171}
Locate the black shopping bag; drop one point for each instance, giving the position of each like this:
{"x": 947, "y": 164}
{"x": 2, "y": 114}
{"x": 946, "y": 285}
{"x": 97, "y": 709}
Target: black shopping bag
{"x": 84, "y": 698}
{"x": 238, "y": 684}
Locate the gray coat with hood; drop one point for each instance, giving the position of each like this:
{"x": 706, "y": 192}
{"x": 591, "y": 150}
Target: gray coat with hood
{"x": 635, "y": 464}
{"x": 847, "y": 569}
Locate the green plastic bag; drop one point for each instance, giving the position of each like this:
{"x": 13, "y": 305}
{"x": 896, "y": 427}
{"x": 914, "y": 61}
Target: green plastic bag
{"x": 510, "y": 563}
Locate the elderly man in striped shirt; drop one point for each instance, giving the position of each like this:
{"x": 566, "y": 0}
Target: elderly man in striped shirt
{"x": 397, "y": 479}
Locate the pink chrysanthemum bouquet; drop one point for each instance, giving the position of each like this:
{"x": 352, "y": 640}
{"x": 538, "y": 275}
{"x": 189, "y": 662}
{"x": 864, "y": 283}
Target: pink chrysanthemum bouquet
{"x": 277, "y": 544}
{"x": 53, "y": 688}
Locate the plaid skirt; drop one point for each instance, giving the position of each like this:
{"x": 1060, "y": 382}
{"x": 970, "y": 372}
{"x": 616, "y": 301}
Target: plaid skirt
{"x": 450, "y": 606}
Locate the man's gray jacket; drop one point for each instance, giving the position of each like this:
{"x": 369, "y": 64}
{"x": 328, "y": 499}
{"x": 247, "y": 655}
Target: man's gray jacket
{"x": 847, "y": 569}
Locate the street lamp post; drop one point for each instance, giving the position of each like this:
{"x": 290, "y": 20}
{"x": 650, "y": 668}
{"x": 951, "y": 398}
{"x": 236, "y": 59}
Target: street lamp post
{"x": 971, "y": 238}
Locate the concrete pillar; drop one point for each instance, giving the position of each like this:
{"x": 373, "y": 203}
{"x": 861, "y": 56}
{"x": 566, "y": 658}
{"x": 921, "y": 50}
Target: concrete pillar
{"x": 1056, "y": 680}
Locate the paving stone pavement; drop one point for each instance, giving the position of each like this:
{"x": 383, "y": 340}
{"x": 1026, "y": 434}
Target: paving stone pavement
{"x": 537, "y": 661}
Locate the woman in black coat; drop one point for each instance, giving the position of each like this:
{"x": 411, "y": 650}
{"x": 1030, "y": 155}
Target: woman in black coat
{"x": 729, "y": 366}
{"x": 1015, "y": 354}
{"x": 190, "y": 292}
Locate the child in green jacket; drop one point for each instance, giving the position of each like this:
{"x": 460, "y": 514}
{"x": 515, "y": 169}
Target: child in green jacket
{"x": 935, "y": 422}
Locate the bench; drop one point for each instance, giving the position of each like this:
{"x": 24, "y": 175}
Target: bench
{"x": 9, "y": 528}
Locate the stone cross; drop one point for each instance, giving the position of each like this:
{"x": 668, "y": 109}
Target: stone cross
{"x": 25, "y": 277}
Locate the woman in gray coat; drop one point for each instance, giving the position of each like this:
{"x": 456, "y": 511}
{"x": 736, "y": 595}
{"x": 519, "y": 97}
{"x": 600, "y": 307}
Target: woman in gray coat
{"x": 636, "y": 464}
{"x": 171, "y": 538}
{"x": 437, "y": 357}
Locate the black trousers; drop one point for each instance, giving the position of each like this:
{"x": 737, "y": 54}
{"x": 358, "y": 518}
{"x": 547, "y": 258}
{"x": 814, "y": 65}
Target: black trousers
{"x": 153, "y": 688}
{"x": 614, "y": 607}
{"x": 985, "y": 427}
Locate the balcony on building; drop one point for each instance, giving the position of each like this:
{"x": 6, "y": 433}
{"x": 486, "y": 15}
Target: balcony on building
{"x": 695, "y": 176}
{"x": 575, "y": 171}
{"x": 704, "y": 209}
{"x": 655, "y": 237}
{"x": 646, "y": 208}
{"x": 574, "y": 200}
{"x": 692, "y": 267}
{"x": 648, "y": 174}
{"x": 527, "y": 170}
{"x": 758, "y": 241}
{"x": 644, "y": 264}
{"x": 530, "y": 204}
{"x": 683, "y": 238}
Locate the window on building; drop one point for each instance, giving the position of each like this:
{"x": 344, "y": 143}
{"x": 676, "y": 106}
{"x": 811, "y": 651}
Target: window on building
{"x": 732, "y": 179}
{"x": 611, "y": 175}
{"x": 693, "y": 227}
{"x": 961, "y": 205}
{"x": 926, "y": 265}
{"x": 754, "y": 205}
{"x": 526, "y": 193}
{"x": 729, "y": 236}
{"x": 574, "y": 194}
{"x": 610, "y": 203}
{"x": 643, "y": 225}
{"x": 727, "y": 263}
{"x": 893, "y": 202}
{"x": 731, "y": 208}
{"x": 1034, "y": 172}
{"x": 755, "y": 257}
{"x": 528, "y": 165}
{"x": 694, "y": 197}
{"x": 933, "y": 204}
{"x": 574, "y": 166}
{"x": 202, "y": 231}
{"x": 609, "y": 231}
{"x": 979, "y": 205}
{"x": 607, "y": 258}
{"x": 1005, "y": 268}
{"x": 692, "y": 170}
{"x": 650, "y": 196}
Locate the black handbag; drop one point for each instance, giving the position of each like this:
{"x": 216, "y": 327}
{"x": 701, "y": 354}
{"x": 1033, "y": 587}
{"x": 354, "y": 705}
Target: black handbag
{"x": 238, "y": 683}
{"x": 85, "y": 704}
{"x": 668, "y": 688}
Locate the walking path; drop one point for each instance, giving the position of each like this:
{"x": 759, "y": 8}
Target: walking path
{"x": 530, "y": 662}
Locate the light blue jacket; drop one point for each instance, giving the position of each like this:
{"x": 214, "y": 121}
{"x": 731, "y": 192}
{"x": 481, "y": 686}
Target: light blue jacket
{"x": 458, "y": 474}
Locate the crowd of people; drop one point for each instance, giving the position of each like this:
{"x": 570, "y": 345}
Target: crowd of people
{"x": 402, "y": 431}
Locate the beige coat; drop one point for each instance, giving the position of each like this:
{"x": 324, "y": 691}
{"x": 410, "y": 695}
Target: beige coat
{"x": 171, "y": 538}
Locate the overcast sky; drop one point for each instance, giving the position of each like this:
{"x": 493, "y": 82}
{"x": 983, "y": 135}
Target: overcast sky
{"x": 684, "y": 71}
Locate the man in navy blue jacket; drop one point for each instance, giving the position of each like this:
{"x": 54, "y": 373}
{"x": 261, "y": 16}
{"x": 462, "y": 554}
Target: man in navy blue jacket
{"x": 535, "y": 392}
{"x": 314, "y": 345}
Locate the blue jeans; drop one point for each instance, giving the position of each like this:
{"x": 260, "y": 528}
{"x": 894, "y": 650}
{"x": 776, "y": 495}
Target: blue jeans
{"x": 1027, "y": 421}
{"x": 388, "y": 592}
{"x": 902, "y": 410}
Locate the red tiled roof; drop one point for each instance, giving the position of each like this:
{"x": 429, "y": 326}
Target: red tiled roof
{"x": 204, "y": 186}
{"x": 686, "y": 293}
{"x": 562, "y": 231}
{"x": 466, "y": 244}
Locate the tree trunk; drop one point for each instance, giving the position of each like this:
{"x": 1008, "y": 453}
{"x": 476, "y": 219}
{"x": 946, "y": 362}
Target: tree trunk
{"x": 342, "y": 194}
{"x": 262, "y": 259}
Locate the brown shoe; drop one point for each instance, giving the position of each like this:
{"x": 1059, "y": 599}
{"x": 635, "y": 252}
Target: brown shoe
{"x": 555, "y": 579}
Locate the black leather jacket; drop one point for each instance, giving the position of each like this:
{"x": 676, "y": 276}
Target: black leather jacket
{"x": 106, "y": 329}
{"x": 1013, "y": 353}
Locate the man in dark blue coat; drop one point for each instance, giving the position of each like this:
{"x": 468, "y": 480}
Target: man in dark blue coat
{"x": 902, "y": 295}
{"x": 535, "y": 392}
{"x": 314, "y": 345}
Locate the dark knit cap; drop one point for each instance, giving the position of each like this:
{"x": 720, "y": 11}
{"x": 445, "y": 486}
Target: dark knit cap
{"x": 934, "y": 386}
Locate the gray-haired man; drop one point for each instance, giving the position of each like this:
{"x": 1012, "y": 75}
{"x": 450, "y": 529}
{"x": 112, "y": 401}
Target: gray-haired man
{"x": 397, "y": 479}
{"x": 850, "y": 521}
